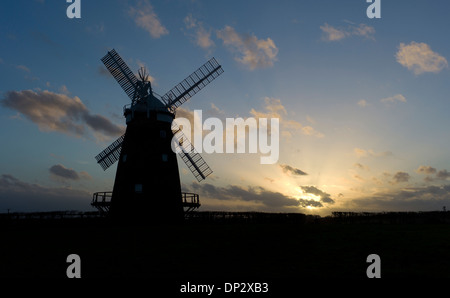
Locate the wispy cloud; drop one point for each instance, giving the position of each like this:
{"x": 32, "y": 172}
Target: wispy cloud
{"x": 96, "y": 28}
{"x": 18, "y": 195}
{"x": 145, "y": 17}
{"x": 273, "y": 108}
{"x": 59, "y": 112}
{"x": 60, "y": 172}
{"x": 393, "y": 99}
{"x": 430, "y": 171}
{"x": 419, "y": 58}
{"x": 426, "y": 170}
{"x": 331, "y": 33}
{"x": 24, "y": 68}
{"x": 400, "y": 177}
{"x": 443, "y": 174}
{"x": 291, "y": 170}
{"x": 370, "y": 153}
{"x": 360, "y": 166}
{"x": 201, "y": 35}
{"x": 363, "y": 103}
{"x": 429, "y": 198}
{"x": 251, "y": 51}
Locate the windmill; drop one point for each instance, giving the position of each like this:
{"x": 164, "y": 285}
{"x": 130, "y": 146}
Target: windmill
{"x": 147, "y": 182}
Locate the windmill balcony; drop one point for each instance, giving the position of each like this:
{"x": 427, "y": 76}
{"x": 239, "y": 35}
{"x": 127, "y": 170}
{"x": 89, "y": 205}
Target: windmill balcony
{"x": 102, "y": 201}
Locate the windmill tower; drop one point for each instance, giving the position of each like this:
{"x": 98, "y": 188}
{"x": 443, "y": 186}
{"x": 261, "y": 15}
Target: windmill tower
{"x": 147, "y": 182}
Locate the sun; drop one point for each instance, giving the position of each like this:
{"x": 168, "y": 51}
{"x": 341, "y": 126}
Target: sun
{"x": 307, "y": 197}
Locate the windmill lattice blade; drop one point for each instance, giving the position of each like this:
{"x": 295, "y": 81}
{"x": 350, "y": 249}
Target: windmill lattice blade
{"x": 190, "y": 156}
{"x": 120, "y": 71}
{"x": 111, "y": 154}
{"x": 192, "y": 84}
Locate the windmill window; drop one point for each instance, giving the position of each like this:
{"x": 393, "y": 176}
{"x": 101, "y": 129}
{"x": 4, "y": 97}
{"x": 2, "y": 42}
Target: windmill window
{"x": 138, "y": 188}
{"x": 164, "y": 157}
{"x": 162, "y": 134}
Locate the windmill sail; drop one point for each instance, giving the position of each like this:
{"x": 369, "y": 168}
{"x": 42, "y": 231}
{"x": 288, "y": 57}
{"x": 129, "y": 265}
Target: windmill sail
{"x": 120, "y": 71}
{"x": 190, "y": 156}
{"x": 192, "y": 84}
{"x": 111, "y": 154}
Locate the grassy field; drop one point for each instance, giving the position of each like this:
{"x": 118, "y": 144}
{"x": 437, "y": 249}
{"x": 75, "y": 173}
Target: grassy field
{"x": 226, "y": 250}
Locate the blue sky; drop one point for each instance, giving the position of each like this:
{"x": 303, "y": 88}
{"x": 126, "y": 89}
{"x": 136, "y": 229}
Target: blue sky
{"x": 362, "y": 102}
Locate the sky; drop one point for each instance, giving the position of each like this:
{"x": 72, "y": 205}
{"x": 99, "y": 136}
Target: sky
{"x": 362, "y": 103}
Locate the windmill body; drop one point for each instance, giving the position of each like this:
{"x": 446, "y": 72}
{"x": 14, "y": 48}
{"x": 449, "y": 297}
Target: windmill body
{"x": 147, "y": 183}
{"x": 147, "y": 179}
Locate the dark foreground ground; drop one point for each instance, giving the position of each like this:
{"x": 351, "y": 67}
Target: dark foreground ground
{"x": 226, "y": 250}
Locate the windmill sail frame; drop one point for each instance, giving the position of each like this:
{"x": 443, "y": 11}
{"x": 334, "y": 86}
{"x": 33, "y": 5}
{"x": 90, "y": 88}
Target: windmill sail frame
{"x": 110, "y": 154}
{"x": 193, "y": 160}
{"x": 121, "y": 72}
{"x": 187, "y": 88}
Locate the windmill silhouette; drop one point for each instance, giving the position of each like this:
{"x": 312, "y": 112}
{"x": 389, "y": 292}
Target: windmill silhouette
{"x": 147, "y": 183}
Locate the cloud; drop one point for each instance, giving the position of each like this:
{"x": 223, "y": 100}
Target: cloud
{"x": 419, "y": 58}
{"x": 393, "y": 99}
{"x": 363, "y": 103}
{"x": 370, "y": 153}
{"x": 426, "y": 170}
{"x": 430, "y": 198}
{"x": 214, "y": 111}
{"x": 360, "y": 152}
{"x": 61, "y": 171}
{"x": 357, "y": 177}
{"x": 190, "y": 22}
{"x": 262, "y": 197}
{"x": 363, "y": 30}
{"x": 63, "y": 89}
{"x": 19, "y": 196}
{"x": 331, "y": 33}
{"x": 400, "y": 177}
{"x": 24, "y": 68}
{"x": 96, "y": 28}
{"x": 59, "y": 112}
{"x": 291, "y": 170}
{"x": 202, "y": 36}
{"x": 45, "y": 39}
{"x": 324, "y": 197}
{"x": 251, "y": 51}
{"x": 361, "y": 166}
{"x": 146, "y": 18}
{"x": 443, "y": 175}
{"x": 273, "y": 108}
{"x": 101, "y": 70}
